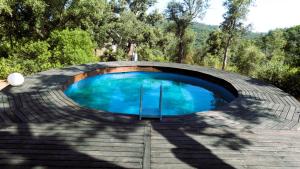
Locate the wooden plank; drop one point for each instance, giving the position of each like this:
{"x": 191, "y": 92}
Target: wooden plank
{"x": 28, "y": 110}
{"x": 291, "y": 113}
{"x": 147, "y": 148}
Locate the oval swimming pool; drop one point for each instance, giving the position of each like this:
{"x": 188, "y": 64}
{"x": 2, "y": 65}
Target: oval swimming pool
{"x": 152, "y": 94}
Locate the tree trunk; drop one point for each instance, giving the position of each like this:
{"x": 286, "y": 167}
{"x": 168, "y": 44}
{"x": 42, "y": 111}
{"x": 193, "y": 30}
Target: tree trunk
{"x": 129, "y": 45}
{"x": 181, "y": 48}
{"x": 11, "y": 41}
{"x": 10, "y": 34}
{"x": 180, "y": 52}
{"x": 225, "y": 58}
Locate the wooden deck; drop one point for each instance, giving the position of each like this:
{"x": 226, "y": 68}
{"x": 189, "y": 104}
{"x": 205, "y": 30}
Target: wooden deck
{"x": 3, "y": 84}
{"x": 41, "y": 128}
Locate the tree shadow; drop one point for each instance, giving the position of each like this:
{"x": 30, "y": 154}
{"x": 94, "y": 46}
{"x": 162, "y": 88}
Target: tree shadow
{"x": 47, "y": 106}
{"x": 189, "y": 149}
{"x": 271, "y": 89}
{"x": 106, "y": 136}
{"x": 22, "y": 149}
{"x": 117, "y": 127}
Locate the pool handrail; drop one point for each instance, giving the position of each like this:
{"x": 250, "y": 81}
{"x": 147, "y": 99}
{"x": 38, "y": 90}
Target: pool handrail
{"x": 141, "y": 101}
{"x": 160, "y": 100}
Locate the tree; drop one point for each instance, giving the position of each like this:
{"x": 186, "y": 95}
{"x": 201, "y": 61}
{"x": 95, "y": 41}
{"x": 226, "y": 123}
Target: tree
{"x": 182, "y": 14}
{"x": 214, "y": 43}
{"x": 71, "y": 47}
{"x": 128, "y": 31}
{"x": 140, "y": 7}
{"x": 273, "y": 43}
{"x": 36, "y": 19}
{"x": 292, "y": 47}
{"x": 137, "y": 7}
{"x": 247, "y": 57}
{"x": 232, "y": 26}
{"x": 154, "y": 18}
{"x": 20, "y": 19}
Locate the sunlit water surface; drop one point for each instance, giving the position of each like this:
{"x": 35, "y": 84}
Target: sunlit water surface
{"x": 121, "y": 93}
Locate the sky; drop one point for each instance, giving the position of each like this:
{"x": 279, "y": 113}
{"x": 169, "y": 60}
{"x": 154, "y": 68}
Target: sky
{"x": 264, "y": 15}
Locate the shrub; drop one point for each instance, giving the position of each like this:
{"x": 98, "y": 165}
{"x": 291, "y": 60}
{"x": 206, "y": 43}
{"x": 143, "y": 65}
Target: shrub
{"x": 66, "y": 47}
{"x": 31, "y": 50}
{"x": 148, "y": 54}
{"x": 119, "y": 55}
{"x": 27, "y": 58}
{"x": 8, "y": 66}
{"x": 71, "y": 47}
{"x": 280, "y": 75}
{"x": 247, "y": 59}
{"x": 212, "y": 61}
{"x": 34, "y": 56}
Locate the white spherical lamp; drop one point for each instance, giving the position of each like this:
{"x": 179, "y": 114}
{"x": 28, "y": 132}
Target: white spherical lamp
{"x": 15, "y": 79}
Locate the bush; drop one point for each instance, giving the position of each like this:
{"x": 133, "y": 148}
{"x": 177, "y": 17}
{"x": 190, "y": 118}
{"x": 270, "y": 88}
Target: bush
{"x": 280, "y": 75}
{"x": 147, "y": 54}
{"x": 34, "y": 56}
{"x": 109, "y": 55}
{"x": 212, "y": 61}
{"x": 71, "y": 47}
{"x": 247, "y": 59}
{"x": 8, "y": 66}
{"x": 65, "y": 47}
{"x": 26, "y": 58}
{"x": 31, "y": 50}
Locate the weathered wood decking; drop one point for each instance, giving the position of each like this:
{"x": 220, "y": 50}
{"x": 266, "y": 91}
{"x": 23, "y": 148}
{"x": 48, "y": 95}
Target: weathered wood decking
{"x": 41, "y": 128}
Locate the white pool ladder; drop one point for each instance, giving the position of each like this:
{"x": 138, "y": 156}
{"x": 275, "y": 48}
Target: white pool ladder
{"x": 141, "y": 103}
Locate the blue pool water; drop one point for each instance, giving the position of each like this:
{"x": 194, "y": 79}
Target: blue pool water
{"x": 122, "y": 92}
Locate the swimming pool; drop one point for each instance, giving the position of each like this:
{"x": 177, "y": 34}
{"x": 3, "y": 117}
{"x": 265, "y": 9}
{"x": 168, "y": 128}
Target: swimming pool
{"x": 151, "y": 94}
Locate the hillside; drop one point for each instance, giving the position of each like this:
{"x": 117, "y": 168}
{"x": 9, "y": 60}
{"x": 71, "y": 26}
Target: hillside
{"x": 202, "y": 32}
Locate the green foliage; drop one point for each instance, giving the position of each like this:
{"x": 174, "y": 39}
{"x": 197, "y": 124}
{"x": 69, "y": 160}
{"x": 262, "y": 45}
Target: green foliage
{"x": 64, "y": 48}
{"x": 137, "y": 7}
{"x": 119, "y": 55}
{"x": 212, "y": 61}
{"x": 188, "y": 44}
{"x": 128, "y": 29}
{"x": 31, "y": 50}
{"x": 71, "y": 47}
{"x": 154, "y": 18}
{"x": 8, "y": 66}
{"x": 21, "y": 18}
{"x": 292, "y": 47}
{"x": 140, "y": 7}
{"x": 215, "y": 43}
{"x": 247, "y": 58}
{"x": 273, "y": 43}
{"x": 152, "y": 55}
{"x": 33, "y": 56}
{"x": 232, "y": 26}
{"x": 281, "y": 75}
{"x": 36, "y": 19}
{"x": 24, "y": 66}
{"x": 4, "y": 48}
{"x": 182, "y": 14}
{"x": 202, "y": 32}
